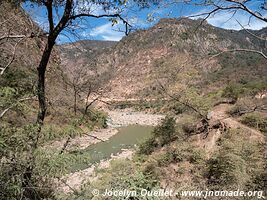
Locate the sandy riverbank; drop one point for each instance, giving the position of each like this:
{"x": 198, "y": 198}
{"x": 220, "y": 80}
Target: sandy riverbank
{"x": 117, "y": 118}
{"x": 74, "y": 181}
{"x": 128, "y": 117}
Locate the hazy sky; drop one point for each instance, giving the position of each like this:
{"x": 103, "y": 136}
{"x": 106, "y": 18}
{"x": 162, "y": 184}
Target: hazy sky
{"x": 102, "y": 29}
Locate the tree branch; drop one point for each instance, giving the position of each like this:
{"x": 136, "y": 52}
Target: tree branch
{"x": 245, "y": 8}
{"x": 49, "y": 7}
{"x": 20, "y": 100}
{"x": 12, "y": 58}
{"x": 244, "y": 50}
{"x": 127, "y": 25}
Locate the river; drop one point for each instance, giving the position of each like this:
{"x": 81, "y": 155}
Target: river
{"x": 126, "y": 138}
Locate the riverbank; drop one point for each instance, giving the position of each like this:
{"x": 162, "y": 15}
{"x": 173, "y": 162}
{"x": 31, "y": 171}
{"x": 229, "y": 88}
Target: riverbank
{"x": 83, "y": 141}
{"x": 118, "y": 118}
{"x": 73, "y": 182}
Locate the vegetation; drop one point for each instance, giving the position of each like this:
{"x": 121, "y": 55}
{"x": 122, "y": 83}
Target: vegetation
{"x": 162, "y": 135}
{"x": 256, "y": 121}
{"x": 245, "y": 88}
{"x": 173, "y": 68}
{"x": 122, "y": 175}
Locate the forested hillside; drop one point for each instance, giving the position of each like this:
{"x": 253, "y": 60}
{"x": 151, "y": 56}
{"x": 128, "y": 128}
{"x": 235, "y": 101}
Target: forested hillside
{"x": 178, "y": 106}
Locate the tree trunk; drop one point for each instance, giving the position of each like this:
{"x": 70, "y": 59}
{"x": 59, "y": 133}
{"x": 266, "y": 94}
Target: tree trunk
{"x": 41, "y": 81}
{"x": 75, "y": 101}
{"x": 29, "y": 191}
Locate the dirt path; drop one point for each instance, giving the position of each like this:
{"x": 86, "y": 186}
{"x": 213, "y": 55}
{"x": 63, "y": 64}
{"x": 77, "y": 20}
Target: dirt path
{"x": 220, "y": 113}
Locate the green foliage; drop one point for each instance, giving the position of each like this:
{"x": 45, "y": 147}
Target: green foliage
{"x": 184, "y": 36}
{"x": 193, "y": 97}
{"x": 187, "y": 124}
{"x": 51, "y": 163}
{"x": 171, "y": 156}
{"x": 122, "y": 174}
{"x": 148, "y": 146}
{"x": 255, "y": 121}
{"x": 7, "y": 96}
{"x": 162, "y": 135}
{"x": 236, "y": 163}
{"x": 16, "y": 151}
{"x": 20, "y": 80}
{"x": 232, "y": 92}
{"x": 165, "y": 132}
{"x": 180, "y": 153}
{"x": 98, "y": 119}
{"x": 227, "y": 169}
{"x": 53, "y": 132}
{"x": 259, "y": 182}
{"x": 237, "y": 90}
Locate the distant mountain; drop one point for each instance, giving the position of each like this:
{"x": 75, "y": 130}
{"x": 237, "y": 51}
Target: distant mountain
{"x": 174, "y": 53}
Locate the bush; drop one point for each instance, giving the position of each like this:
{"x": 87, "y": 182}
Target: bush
{"x": 165, "y": 132}
{"x": 255, "y": 121}
{"x": 188, "y": 128}
{"x": 148, "y": 146}
{"x": 16, "y": 151}
{"x": 227, "y": 170}
{"x": 161, "y": 135}
{"x": 170, "y": 156}
{"x": 236, "y": 90}
{"x": 260, "y": 181}
{"x": 232, "y": 92}
{"x": 121, "y": 175}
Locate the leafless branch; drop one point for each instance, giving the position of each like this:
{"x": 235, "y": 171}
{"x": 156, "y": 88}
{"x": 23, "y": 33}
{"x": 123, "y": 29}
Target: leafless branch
{"x": 125, "y": 22}
{"x": 244, "y": 50}
{"x": 95, "y": 137}
{"x": 13, "y": 105}
{"x": 243, "y": 7}
{"x": 12, "y": 58}
{"x": 249, "y": 32}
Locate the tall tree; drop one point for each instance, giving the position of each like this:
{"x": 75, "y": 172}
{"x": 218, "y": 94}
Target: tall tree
{"x": 71, "y": 11}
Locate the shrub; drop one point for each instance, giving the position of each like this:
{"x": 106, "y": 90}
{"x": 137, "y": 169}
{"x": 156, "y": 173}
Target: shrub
{"x": 122, "y": 174}
{"x": 148, "y": 146}
{"x": 227, "y": 170}
{"x": 232, "y": 92}
{"x": 161, "y": 135}
{"x": 197, "y": 156}
{"x": 188, "y": 128}
{"x": 260, "y": 181}
{"x": 165, "y": 132}
{"x": 170, "y": 156}
{"x": 255, "y": 121}
{"x": 236, "y": 90}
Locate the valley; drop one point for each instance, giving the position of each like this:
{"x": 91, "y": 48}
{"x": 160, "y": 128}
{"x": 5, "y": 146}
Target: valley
{"x": 180, "y": 105}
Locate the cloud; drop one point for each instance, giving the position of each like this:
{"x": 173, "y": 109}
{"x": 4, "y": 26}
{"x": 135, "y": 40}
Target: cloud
{"x": 228, "y": 20}
{"x": 225, "y": 20}
{"x": 106, "y": 32}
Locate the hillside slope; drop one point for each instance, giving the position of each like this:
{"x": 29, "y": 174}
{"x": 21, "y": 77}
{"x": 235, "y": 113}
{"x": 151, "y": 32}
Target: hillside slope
{"x": 176, "y": 53}
{"x": 22, "y": 56}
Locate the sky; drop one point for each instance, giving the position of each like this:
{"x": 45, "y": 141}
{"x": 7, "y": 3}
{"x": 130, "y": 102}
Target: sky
{"x": 102, "y": 29}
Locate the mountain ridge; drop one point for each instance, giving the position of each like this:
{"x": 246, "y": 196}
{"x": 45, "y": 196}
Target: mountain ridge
{"x": 169, "y": 49}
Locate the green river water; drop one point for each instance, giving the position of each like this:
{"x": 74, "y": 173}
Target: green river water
{"x": 126, "y": 138}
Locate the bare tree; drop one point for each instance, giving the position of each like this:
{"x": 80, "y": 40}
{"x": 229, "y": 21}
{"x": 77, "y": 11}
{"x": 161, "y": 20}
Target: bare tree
{"x": 72, "y": 10}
